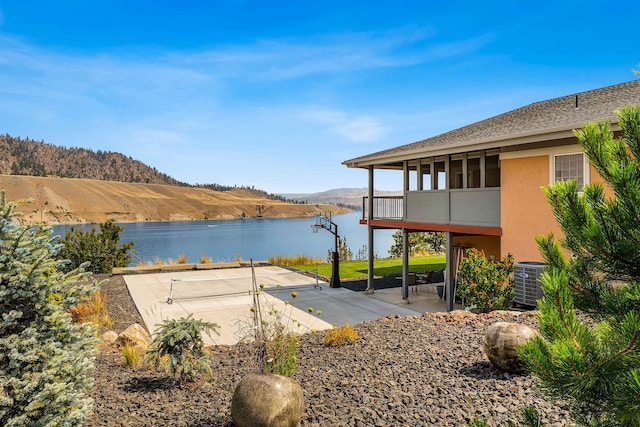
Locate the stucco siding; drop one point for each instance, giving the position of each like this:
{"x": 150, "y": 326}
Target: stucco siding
{"x": 525, "y": 210}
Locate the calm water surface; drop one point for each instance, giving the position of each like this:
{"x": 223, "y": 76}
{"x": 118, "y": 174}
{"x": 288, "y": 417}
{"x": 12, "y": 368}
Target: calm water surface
{"x": 257, "y": 238}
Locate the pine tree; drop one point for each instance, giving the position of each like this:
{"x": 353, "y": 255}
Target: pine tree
{"x": 44, "y": 357}
{"x": 589, "y": 348}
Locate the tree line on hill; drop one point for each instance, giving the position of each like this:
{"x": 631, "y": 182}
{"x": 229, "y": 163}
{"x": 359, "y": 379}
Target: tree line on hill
{"x": 28, "y": 157}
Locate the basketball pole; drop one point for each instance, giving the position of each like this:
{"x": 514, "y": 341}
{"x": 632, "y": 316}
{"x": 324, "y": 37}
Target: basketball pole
{"x": 335, "y": 255}
{"x": 335, "y": 273}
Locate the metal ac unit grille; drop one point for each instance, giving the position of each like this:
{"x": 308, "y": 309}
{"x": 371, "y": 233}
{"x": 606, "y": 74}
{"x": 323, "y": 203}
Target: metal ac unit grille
{"x": 528, "y": 289}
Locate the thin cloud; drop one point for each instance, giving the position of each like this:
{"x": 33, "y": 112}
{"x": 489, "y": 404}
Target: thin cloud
{"x": 353, "y": 128}
{"x": 283, "y": 59}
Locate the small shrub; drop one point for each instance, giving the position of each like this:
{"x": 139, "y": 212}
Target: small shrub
{"x": 79, "y": 313}
{"x": 529, "y": 417}
{"x": 99, "y": 248}
{"x": 182, "y": 341}
{"x": 206, "y": 260}
{"x": 158, "y": 261}
{"x": 486, "y": 284}
{"x": 132, "y": 354}
{"x": 93, "y": 310}
{"x": 274, "y": 344}
{"x": 182, "y": 259}
{"x": 341, "y": 336}
{"x": 281, "y": 353}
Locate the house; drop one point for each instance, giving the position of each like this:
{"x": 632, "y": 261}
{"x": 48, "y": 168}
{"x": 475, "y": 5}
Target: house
{"x": 481, "y": 183}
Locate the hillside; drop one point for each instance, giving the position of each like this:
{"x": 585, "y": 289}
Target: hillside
{"x": 351, "y": 197}
{"x": 68, "y": 201}
{"x": 28, "y": 157}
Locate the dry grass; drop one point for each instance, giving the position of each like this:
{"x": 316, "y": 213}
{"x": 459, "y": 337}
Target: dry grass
{"x": 132, "y": 354}
{"x": 296, "y": 260}
{"x": 205, "y": 260}
{"x": 93, "y": 310}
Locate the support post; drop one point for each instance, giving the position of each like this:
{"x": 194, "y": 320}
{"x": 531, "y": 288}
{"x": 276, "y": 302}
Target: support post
{"x": 405, "y": 239}
{"x": 370, "y": 251}
{"x": 450, "y": 273}
{"x": 405, "y": 265}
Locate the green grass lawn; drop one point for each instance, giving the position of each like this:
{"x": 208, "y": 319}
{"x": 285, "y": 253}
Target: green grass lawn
{"x": 381, "y": 267}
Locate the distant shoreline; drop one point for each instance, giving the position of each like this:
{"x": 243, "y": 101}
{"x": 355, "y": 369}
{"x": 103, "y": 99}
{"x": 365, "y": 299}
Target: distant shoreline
{"x": 182, "y": 219}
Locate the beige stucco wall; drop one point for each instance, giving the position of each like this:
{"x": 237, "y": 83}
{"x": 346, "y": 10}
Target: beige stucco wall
{"x": 525, "y": 211}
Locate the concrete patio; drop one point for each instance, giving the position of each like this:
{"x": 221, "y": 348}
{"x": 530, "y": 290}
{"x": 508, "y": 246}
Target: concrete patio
{"x": 223, "y": 296}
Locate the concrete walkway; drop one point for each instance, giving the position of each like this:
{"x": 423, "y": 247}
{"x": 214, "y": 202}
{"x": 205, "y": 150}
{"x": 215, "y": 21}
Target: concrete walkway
{"x": 222, "y": 296}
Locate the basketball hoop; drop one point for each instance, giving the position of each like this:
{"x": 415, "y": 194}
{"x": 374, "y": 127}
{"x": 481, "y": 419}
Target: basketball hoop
{"x": 324, "y": 221}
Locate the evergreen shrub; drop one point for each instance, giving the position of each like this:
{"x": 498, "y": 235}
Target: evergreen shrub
{"x": 45, "y": 358}
{"x": 181, "y": 340}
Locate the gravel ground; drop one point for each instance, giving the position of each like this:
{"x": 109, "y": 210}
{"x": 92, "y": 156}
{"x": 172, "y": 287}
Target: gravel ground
{"x": 404, "y": 371}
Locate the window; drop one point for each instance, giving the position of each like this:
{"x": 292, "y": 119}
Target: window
{"x": 455, "y": 174}
{"x": 473, "y": 173}
{"x": 426, "y": 176}
{"x": 569, "y": 166}
{"x": 441, "y": 177}
{"x": 492, "y": 171}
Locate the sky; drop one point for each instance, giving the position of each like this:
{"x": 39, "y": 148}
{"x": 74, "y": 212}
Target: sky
{"x": 277, "y": 94}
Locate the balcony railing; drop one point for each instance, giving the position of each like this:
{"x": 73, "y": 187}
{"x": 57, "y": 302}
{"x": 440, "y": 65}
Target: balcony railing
{"x": 477, "y": 206}
{"x": 389, "y": 207}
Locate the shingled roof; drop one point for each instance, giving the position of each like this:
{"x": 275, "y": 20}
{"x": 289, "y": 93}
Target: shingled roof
{"x": 545, "y": 120}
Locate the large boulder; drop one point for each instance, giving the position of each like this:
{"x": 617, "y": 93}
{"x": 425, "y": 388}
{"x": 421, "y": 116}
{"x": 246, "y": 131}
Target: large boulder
{"x": 135, "y": 335}
{"x": 267, "y": 400}
{"x": 501, "y": 340}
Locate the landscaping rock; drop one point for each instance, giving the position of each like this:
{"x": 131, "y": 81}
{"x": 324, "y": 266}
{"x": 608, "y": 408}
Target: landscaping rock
{"x": 267, "y": 400}
{"x": 109, "y": 337}
{"x": 404, "y": 371}
{"x": 136, "y": 335}
{"x": 501, "y": 340}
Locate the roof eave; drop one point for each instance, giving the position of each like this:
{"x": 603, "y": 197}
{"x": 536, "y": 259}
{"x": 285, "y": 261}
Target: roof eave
{"x": 466, "y": 146}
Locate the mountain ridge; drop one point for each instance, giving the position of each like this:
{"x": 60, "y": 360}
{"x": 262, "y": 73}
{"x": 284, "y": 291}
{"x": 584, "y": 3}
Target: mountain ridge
{"x": 77, "y": 185}
{"x": 77, "y": 200}
{"x": 348, "y": 197}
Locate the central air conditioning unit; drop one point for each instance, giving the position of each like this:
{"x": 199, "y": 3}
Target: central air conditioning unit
{"x": 527, "y": 287}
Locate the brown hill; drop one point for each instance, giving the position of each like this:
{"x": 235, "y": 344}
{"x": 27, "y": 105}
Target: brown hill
{"x": 32, "y": 158}
{"x": 69, "y": 201}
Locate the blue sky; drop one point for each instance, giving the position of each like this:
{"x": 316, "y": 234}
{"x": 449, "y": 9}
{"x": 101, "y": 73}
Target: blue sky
{"x": 277, "y": 94}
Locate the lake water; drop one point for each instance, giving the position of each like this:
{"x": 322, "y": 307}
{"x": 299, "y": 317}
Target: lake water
{"x": 257, "y": 238}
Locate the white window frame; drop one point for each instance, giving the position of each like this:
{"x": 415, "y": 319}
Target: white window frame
{"x": 585, "y": 166}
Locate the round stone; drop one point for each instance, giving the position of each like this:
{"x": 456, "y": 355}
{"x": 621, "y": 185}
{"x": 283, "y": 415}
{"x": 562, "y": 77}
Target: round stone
{"x": 267, "y": 400}
{"x": 501, "y": 340}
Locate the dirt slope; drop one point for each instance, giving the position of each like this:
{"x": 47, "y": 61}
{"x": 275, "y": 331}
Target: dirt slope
{"x": 68, "y": 201}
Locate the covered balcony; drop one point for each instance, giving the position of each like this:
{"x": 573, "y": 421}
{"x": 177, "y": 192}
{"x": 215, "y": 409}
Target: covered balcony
{"x": 452, "y": 193}
{"x": 455, "y": 193}
{"x": 465, "y": 207}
